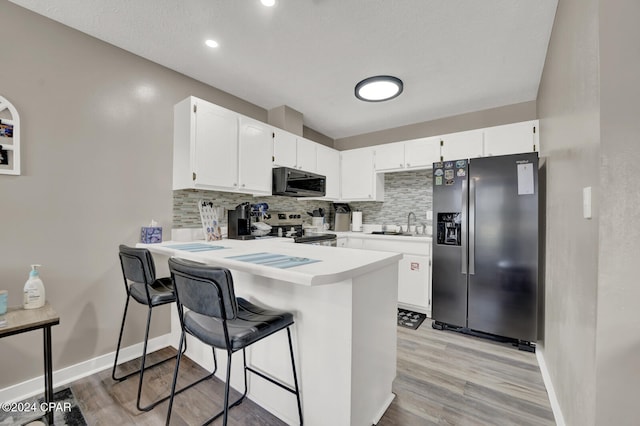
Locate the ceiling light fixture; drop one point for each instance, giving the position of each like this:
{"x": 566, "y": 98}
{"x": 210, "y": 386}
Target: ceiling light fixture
{"x": 211, "y": 43}
{"x": 268, "y": 3}
{"x": 379, "y": 88}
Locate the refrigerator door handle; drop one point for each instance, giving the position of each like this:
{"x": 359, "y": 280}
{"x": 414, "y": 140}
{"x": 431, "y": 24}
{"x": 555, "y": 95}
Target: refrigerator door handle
{"x": 472, "y": 226}
{"x": 463, "y": 228}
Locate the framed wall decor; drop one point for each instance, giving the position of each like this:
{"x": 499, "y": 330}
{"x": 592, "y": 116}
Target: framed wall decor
{"x": 9, "y": 138}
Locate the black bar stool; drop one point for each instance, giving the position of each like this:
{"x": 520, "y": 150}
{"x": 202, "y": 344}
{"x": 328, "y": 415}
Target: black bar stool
{"x": 217, "y": 318}
{"x": 141, "y": 284}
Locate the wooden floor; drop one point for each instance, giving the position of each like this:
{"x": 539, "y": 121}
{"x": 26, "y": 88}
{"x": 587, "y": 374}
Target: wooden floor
{"x": 443, "y": 378}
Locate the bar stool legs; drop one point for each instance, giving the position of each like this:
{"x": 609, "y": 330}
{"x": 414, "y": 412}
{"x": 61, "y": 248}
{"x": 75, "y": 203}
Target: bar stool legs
{"x": 143, "y": 368}
{"x": 225, "y": 412}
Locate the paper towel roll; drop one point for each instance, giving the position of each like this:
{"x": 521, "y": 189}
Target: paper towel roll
{"x": 356, "y": 221}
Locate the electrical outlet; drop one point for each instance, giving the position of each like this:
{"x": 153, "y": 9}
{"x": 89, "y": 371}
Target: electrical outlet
{"x": 429, "y": 215}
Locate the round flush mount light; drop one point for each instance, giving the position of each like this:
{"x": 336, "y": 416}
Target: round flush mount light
{"x": 211, "y": 43}
{"x": 379, "y": 88}
{"x": 268, "y": 3}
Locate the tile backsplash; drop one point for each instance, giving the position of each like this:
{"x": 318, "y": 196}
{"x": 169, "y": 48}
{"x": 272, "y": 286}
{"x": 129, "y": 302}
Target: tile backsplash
{"x": 405, "y": 192}
{"x": 187, "y": 215}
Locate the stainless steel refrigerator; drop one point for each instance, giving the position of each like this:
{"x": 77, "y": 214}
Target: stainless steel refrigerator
{"x": 485, "y": 251}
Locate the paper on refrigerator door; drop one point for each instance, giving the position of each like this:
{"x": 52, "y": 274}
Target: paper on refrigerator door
{"x": 525, "y": 179}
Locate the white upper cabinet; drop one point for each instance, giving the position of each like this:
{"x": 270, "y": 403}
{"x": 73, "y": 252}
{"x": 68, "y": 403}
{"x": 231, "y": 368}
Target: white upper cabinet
{"x": 358, "y": 180}
{"x": 213, "y": 150}
{"x": 255, "y": 148}
{"x": 389, "y": 156}
{"x": 408, "y": 155}
{"x": 306, "y": 155}
{"x": 328, "y": 165}
{"x": 293, "y": 151}
{"x": 421, "y": 153}
{"x": 461, "y": 145}
{"x": 205, "y": 146}
{"x": 511, "y": 138}
{"x": 284, "y": 148}
{"x": 216, "y": 152}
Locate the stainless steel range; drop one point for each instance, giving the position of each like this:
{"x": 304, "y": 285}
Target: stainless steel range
{"x": 290, "y": 224}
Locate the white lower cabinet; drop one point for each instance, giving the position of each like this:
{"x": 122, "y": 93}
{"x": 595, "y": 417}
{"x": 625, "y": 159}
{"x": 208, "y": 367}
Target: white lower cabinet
{"x": 414, "y": 283}
{"x": 414, "y": 269}
{"x": 356, "y": 243}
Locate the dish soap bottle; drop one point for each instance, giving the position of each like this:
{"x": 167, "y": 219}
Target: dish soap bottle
{"x": 34, "y": 290}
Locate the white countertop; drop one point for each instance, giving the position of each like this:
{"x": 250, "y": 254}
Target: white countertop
{"x": 336, "y": 264}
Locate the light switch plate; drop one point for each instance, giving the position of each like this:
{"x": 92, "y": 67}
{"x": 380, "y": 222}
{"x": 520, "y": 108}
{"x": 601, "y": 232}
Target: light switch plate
{"x": 429, "y": 215}
{"x": 586, "y": 202}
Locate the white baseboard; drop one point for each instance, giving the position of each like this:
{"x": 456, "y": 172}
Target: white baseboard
{"x": 546, "y": 377}
{"x": 66, "y": 375}
{"x": 384, "y": 408}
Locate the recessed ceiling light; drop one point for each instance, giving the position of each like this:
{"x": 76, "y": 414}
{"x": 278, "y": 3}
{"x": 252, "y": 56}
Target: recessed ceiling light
{"x": 211, "y": 43}
{"x": 268, "y": 3}
{"x": 379, "y": 88}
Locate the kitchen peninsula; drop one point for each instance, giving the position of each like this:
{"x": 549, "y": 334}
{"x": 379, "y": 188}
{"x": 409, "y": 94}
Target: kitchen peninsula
{"x": 344, "y": 303}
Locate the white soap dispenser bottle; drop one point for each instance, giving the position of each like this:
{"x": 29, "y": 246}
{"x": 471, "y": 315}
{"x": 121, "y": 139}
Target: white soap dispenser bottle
{"x": 34, "y": 290}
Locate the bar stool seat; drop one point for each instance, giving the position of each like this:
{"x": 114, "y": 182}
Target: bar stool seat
{"x": 252, "y": 323}
{"x": 160, "y": 292}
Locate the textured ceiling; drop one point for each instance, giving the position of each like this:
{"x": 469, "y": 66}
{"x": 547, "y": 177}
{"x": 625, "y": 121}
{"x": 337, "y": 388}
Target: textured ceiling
{"x": 454, "y": 56}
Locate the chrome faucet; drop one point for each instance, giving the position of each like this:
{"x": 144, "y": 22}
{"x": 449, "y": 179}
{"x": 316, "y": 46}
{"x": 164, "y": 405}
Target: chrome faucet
{"x": 409, "y": 220}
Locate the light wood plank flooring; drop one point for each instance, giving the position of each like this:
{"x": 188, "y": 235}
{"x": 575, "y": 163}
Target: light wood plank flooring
{"x": 443, "y": 378}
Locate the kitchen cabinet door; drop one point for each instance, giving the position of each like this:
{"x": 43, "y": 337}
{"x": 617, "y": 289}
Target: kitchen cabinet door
{"x": 421, "y": 153}
{"x": 306, "y": 157}
{"x": 284, "y": 148}
{"x": 205, "y": 146}
{"x": 328, "y": 165}
{"x": 390, "y": 156}
{"x": 354, "y": 242}
{"x": 255, "y": 147}
{"x": 456, "y": 146}
{"x": 513, "y": 138}
{"x": 414, "y": 283}
{"x": 358, "y": 180}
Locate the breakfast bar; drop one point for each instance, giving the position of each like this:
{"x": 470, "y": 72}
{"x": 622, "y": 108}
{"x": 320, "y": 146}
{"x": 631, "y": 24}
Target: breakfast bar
{"x": 344, "y": 303}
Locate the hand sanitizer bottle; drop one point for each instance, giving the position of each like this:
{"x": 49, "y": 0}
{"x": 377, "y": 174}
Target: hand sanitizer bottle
{"x": 34, "y": 290}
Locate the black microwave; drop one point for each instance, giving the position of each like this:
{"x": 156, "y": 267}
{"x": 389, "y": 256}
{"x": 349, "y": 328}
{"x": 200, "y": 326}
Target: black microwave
{"x": 297, "y": 183}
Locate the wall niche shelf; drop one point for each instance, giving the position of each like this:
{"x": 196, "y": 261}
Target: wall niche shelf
{"x": 9, "y": 139}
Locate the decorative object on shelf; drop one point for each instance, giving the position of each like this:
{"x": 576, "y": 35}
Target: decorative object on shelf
{"x": 211, "y": 217}
{"x": 9, "y": 138}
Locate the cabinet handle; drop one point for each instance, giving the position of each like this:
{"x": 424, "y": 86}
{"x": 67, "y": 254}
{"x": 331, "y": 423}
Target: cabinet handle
{"x": 408, "y": 164}
{"x": 243, "y": 185}
{"x": 235, "y": 184}
{"x": 401, "y": 165}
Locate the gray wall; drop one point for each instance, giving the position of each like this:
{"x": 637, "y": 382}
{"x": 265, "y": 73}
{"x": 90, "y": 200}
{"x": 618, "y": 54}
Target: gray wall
{"x": 591, "y": 327}
{"x": 473, "y": 120}
{"x": 568, "y": 109}
{"x": 97, "y": 130}
{"x": 618, "y": 330}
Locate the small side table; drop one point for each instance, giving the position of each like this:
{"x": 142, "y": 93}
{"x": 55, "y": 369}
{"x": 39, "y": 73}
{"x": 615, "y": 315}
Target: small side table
{"x": 21, "y": 320}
